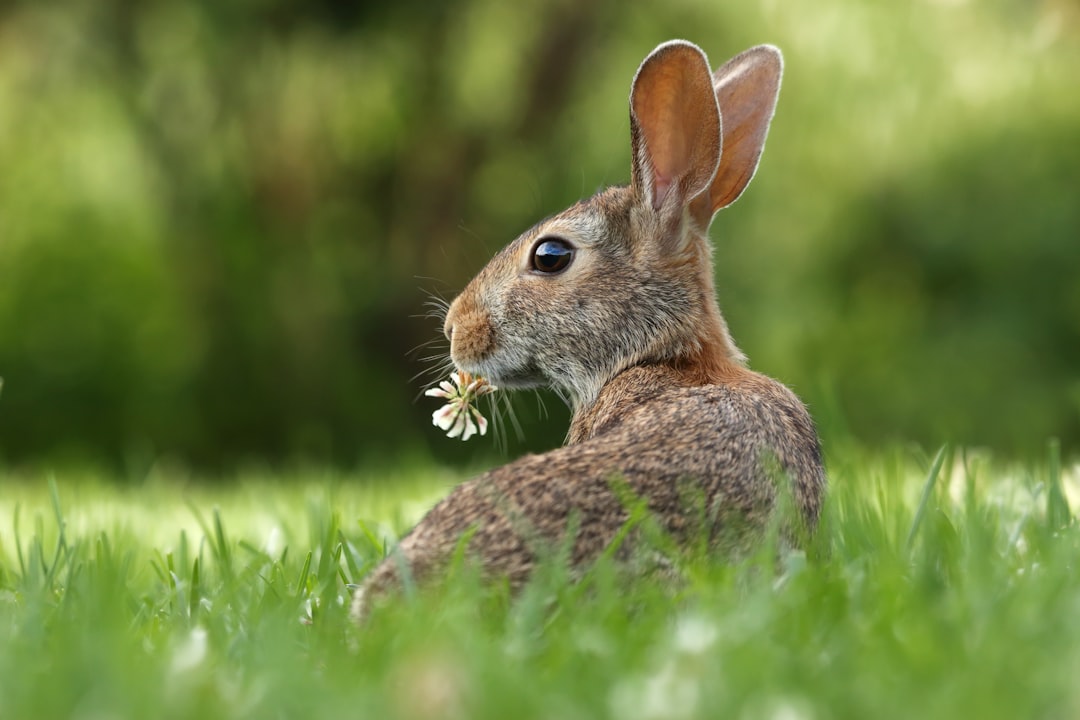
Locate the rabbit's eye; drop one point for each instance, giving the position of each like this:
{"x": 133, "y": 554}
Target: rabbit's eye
{"x": 552, "y": 256}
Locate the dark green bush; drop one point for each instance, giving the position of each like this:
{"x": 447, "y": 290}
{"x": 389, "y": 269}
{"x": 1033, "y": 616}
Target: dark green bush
{"x": 218, "y": 222}
{"x": 953, "y": 296}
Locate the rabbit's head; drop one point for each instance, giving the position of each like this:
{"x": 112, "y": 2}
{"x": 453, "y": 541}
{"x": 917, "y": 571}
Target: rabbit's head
{"x": 625, "y": 277}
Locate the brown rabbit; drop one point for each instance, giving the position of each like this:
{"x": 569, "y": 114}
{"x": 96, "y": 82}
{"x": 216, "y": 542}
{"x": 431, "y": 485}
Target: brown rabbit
{"x": 612, "y": 303}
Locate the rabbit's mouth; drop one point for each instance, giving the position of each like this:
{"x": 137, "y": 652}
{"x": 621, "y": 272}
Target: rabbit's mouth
{"x": 510, "y": 377}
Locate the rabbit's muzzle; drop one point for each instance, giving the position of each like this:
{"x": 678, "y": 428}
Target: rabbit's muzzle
{"x": 469, "y": 330}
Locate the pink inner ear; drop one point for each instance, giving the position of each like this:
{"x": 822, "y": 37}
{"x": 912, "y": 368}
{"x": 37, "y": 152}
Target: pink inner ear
{"x": 675, "y": 126}
{"x": 661, "y": 186}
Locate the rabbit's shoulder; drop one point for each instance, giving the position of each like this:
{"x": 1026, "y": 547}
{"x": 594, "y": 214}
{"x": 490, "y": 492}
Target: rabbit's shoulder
{"x": 724, "y": 430}
{"x": 644, "y": 400}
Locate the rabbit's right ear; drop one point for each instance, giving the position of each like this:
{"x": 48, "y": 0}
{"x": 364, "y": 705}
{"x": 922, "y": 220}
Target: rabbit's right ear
{"x": 747, "y": 87}
{"x": 674, "y": 129}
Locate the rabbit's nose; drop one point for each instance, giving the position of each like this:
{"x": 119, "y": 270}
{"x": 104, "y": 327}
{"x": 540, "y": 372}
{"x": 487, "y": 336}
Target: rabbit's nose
{"x": 469, "y": 329}
{"x": 448, "y": 324}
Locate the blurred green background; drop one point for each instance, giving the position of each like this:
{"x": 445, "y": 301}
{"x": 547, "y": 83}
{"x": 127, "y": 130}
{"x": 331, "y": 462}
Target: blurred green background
{"x": 219, "y": 221}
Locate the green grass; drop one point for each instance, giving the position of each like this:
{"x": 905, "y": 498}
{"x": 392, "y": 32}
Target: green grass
{"x": 934, "y": 589}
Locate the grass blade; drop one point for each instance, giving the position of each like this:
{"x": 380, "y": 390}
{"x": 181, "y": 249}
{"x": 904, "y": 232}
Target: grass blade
{"x": 301, "y": 582}
{"x": 61, "y": 539}
{"x": 193, "y": 592}
{"x": 1057, "y": 507}
{"x": 928, "y": 490}
{"x": 18, "y": 542}
{"x": 221, "y": 546}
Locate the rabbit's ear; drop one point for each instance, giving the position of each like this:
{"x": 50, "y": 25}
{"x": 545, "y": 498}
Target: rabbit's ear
{"x": 674, "y": 128}
{"x": 746, "y": 89}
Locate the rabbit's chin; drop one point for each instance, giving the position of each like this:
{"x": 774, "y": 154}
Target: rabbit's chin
{"x": 500, "y": 375}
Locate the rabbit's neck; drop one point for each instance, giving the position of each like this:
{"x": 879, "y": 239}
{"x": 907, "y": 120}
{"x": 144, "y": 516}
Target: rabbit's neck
{"x": 706, "y": 356}
{"x": 642, "y": 384}
{"x": 712, "y": 358}
{"x": 702, "y": 351}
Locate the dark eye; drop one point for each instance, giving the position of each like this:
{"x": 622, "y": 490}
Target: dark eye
{"x": 552, "y": 255}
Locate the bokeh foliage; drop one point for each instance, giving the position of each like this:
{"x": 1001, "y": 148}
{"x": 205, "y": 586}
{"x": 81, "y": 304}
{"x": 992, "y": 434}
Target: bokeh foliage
{"x": 218, "y": 221}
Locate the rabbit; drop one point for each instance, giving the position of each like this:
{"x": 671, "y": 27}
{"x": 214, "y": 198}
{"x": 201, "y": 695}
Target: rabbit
{"x": 612, "y": 303}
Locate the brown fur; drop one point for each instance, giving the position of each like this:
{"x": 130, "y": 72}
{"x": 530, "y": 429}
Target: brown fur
{"x": 631, "y": 332}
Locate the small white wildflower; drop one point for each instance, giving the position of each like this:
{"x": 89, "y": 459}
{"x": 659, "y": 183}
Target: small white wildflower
{"x": 459, "y": 417}
{"x": 307, "y": 614}
{"x": 786, "y": 708}
{"x": 694, "y": 634}
{"x": 274, "y": 544}
{"x": 668, "y": 694}
{"x": 190, "y": 653}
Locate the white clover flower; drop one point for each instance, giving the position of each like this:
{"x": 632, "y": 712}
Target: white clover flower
{"x": 459, "y": 417}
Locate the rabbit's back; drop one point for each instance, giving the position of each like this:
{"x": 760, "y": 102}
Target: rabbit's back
{"x": 738, "y": 441}
{"x": 713, "y": 454}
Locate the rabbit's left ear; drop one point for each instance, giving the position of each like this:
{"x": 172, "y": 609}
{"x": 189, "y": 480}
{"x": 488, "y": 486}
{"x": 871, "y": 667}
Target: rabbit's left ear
{"x": 674, "y": 129}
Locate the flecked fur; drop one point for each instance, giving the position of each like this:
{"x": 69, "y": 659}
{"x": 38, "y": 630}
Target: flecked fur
{"x": 631, "y": 333}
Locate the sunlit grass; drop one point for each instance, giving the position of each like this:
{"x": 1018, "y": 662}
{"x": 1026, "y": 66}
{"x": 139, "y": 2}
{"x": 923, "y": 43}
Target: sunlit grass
{"x": 935, "y": 587}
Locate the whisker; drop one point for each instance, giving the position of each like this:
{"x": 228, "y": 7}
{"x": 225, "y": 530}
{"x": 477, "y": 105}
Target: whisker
{"x": 541, "y": 406}
{"x": 437, "y": 375}
{"x": 437, "y": 351}
{"x": 428, "y": 278}
{"x": 436, "y": 359}
{"x": 436, "y": 307}
{"x": 498, "y": 428}
{"x": 435, "y": 312}
{"x": 437, "y": 372}
{"x": 426, "y": 344}
{"x": 436, "y": 301}
{"x": 511, "y": 412}
{"x": 436, "y": 344}
{"x": 564, "y": 396}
